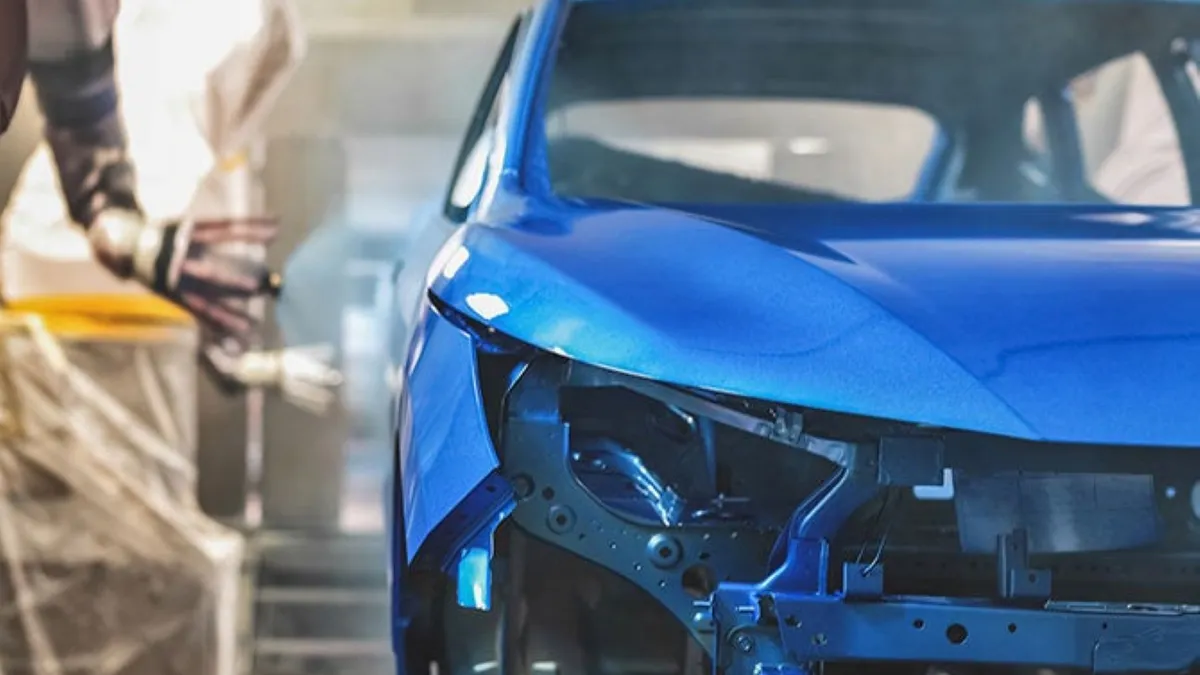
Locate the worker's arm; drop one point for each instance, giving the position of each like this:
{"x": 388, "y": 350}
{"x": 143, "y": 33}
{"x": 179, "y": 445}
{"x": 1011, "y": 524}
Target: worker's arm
{"x": 72, "y": 65}
{"x": 209, "y": 267}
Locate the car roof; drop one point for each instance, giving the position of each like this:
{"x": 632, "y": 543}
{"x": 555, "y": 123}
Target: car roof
{"x": 954, "y": 58}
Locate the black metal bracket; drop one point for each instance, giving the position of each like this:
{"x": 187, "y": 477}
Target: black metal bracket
{"x": 679, "y": 566}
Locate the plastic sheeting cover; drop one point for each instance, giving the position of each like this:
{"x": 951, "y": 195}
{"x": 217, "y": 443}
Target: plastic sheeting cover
{"x": 107, "y": 565}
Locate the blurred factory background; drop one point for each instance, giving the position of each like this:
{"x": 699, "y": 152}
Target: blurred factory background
{"x": 364, "y": 135}
{"x": 363, "y": 138}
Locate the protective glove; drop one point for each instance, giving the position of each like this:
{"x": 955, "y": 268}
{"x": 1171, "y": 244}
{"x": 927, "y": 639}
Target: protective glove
{"x": 211, "y": 268}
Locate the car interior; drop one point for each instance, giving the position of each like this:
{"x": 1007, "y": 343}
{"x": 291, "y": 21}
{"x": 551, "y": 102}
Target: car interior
{"x": 955, "y": 68}
{"x": 988, "y": 162}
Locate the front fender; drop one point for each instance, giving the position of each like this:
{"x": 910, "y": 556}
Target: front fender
{"x": 443, "y": 448}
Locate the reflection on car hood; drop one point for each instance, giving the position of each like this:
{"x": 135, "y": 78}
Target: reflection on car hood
{"x": 1068, "y": 324}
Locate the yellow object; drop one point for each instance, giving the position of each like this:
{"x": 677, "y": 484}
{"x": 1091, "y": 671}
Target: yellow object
{"x": 234, "y": 161}
{"x": 105, "y": 317}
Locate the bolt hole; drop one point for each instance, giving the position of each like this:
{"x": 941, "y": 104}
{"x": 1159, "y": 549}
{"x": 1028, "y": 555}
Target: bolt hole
{"x": 1012, "y": 627}
{"x": 490, "y": 488}
{"x": 699, "y": 581}
{"x": 705, "y": 555}
{"x": 664, "y": 552}
{"x": 919, "y": 624}
{"x": 582, "y": 536}
{"x": 1032, "y": 577}
{"x": 561, "y": 519}
{"x": 791, "y": 621}
{"x": 956, "y": 633}
{"x": 548, "y": 494}
{"x": 1104, "y": 626}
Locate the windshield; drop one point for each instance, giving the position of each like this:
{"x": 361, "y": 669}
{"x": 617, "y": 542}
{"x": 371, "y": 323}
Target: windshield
{"x": 796, "y": 149}
{"x": 679, "y": 104}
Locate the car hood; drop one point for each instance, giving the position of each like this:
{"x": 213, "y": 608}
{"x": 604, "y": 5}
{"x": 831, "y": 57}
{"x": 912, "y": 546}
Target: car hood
{"x": 1065, "y": 324}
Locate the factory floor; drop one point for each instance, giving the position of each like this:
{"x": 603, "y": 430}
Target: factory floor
{"x": 316, "y": 605}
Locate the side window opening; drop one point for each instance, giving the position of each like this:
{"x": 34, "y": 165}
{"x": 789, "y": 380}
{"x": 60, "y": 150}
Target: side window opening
{"x": 1036, "y": 168}
{"x": 1133, "y": 156}
{"x": 471, "y": 176}
{"x": 741, "y": 149}
{"x": 470, "y": 168}
{"x": 1127, "y": 135}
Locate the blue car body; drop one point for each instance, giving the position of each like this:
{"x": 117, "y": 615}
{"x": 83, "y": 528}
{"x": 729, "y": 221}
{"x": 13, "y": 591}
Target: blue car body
{"x": 1045, "y": 322}
{"x": 1041, "y": 327}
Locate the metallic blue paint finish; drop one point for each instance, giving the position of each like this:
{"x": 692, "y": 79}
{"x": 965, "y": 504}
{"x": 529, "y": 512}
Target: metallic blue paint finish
{"x": 523, "y": 110}
{"x": 444, "y": 450}
{"x": 444, "y": 447}
{"x": 1058, "y": 323}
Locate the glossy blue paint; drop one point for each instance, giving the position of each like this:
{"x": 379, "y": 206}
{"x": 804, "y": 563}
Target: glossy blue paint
{"x": 440, "y": 462}
{"x": 1058, "y": 323}
{"x": 1032, "y": 322}
{"x": 444, "y": 447}
{"x": 521, "y": 111}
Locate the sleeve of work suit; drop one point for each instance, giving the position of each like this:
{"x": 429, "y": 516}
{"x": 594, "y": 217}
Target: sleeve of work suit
{"x": 73, "y": 70}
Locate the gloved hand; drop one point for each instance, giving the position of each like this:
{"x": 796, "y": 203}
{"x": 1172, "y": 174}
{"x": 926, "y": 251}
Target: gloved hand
{"x": 209, "y": 267}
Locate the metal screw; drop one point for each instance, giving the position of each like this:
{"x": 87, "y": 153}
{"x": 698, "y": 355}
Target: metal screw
{"x": 744, "y": 643}
{"x": 664, "y": 551}
{"x": 561, "y": 519}
{"x": 522, "y": 486}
